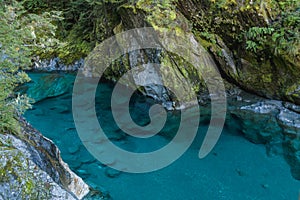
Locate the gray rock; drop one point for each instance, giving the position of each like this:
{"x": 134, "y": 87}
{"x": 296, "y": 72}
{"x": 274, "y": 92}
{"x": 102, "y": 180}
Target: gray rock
{"x": 31, "y": 165}
{"x": 258, "y": 122}
{"x": 271, "y": 123}
{"x": 292, "y": 107}
{"x": 290, "y": 122}
{"x": 21, "y": 178}
{"x": 55, "y": 64}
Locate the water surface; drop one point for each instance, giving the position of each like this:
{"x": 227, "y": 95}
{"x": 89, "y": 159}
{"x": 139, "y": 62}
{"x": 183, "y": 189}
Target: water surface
{"x": 236, "y": 169}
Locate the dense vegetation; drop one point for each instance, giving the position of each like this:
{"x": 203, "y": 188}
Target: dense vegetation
{"x": 83, "y": 24}
{"x": 87, "y": 22}
{"x": 22, "y": 35}
{"x": 37, "y": 27}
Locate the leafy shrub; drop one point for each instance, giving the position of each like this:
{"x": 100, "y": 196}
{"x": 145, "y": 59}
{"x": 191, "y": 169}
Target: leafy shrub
{"x": 22, "y": 35}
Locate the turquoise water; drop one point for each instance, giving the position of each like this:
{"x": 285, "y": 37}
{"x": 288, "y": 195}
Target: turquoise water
{"x": 236, "y": 169}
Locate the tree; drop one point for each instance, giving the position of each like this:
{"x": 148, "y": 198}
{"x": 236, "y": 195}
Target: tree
{"x": 21, "y": 35}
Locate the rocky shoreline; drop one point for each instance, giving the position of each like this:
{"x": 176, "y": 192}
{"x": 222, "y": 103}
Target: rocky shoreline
{"x": 277, "y": 126}
{"x": 36, "y": 169}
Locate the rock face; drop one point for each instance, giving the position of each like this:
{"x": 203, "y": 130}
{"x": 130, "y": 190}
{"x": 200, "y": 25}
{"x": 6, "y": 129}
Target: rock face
{"x": 265, "y": 72}
{"x": 23, "y": 179}
{"x": 56, "y": 64}
{"x": 31, "y": 168}
{"x": 269, "y": 122}
{"x": 171, "y": 71}
{"x": 219, "y": 27}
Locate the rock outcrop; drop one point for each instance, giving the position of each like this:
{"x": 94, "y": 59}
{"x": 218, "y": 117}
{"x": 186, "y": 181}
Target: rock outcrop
{"x": 271, "y": 123}
{"x": 31, "y": 168}
{"x": 55, "y": 64}
{"x": 220, "y": 27}
{"x": 223, "y": 27}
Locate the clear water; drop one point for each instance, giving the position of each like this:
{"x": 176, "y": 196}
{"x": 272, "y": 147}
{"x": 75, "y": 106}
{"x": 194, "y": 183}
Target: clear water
{"x": 236, "y": 169}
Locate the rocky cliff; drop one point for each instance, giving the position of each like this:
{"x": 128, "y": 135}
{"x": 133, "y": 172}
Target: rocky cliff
{"x": 255, "y": 45}
{"x": 31, "y": 168}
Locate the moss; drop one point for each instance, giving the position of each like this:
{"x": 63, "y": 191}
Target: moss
{"x": 129, "y": 6}
{"x": 267, "y": 78}
{"x": 16, "y": 172}
{"x": 118, "y": 29}
{"x": 29, "y": 187}
{"x": 217, "y": 25}
{"x": 291, "y": 90}
{"x": 206, "y": 43}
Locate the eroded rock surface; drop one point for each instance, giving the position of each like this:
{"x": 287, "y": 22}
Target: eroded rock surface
{"x": 269, "y": 122}
{"x": 31, "y": 168}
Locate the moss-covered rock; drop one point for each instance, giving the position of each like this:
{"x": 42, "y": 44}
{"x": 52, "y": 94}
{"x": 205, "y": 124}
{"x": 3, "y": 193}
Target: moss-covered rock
{"x": 222, "y": 27}
{"x": 172, "y": 34}
{"x": 31, "y": 168}
{"x": 23, "y": 179}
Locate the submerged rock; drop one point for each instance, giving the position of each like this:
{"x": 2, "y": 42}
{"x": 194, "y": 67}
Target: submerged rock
{"x": 271, "y": 123}
{"x": 258, "y": 122}
{"x": 49, "y": 85}
{"x": 112, "y": 173}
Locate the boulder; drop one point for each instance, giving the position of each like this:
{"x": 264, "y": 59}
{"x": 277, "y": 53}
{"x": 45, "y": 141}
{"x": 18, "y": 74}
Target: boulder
{"x": 31, "y": 168}
{"x": 271, "y": 123}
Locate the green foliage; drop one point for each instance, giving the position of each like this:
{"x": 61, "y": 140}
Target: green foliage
{"x": 209, "y": 37}
{"x": 22, "y": 35}
{"x": 268, "y": 27}
{"x": 280, "y": 37}
{"x": 85, "y": 22}
{"x": 257, "y": 37}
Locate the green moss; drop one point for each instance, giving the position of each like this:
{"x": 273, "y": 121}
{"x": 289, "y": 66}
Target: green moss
{"x": 29, "y": 187}
{"x": 118, "y": 28}
{"x": 203, "y": 41}
{"x": 17, "y": 173}
{"x": 267, "y": 78}
{"x": 291, "y": 90}
{"x": 129, "y": 6}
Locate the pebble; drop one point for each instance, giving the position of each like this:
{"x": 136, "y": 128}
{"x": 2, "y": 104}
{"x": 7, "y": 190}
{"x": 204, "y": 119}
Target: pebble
{"x": 112, "y": 173}
{"x": 265, "y": 186}
{"x": 240, "y": 172}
